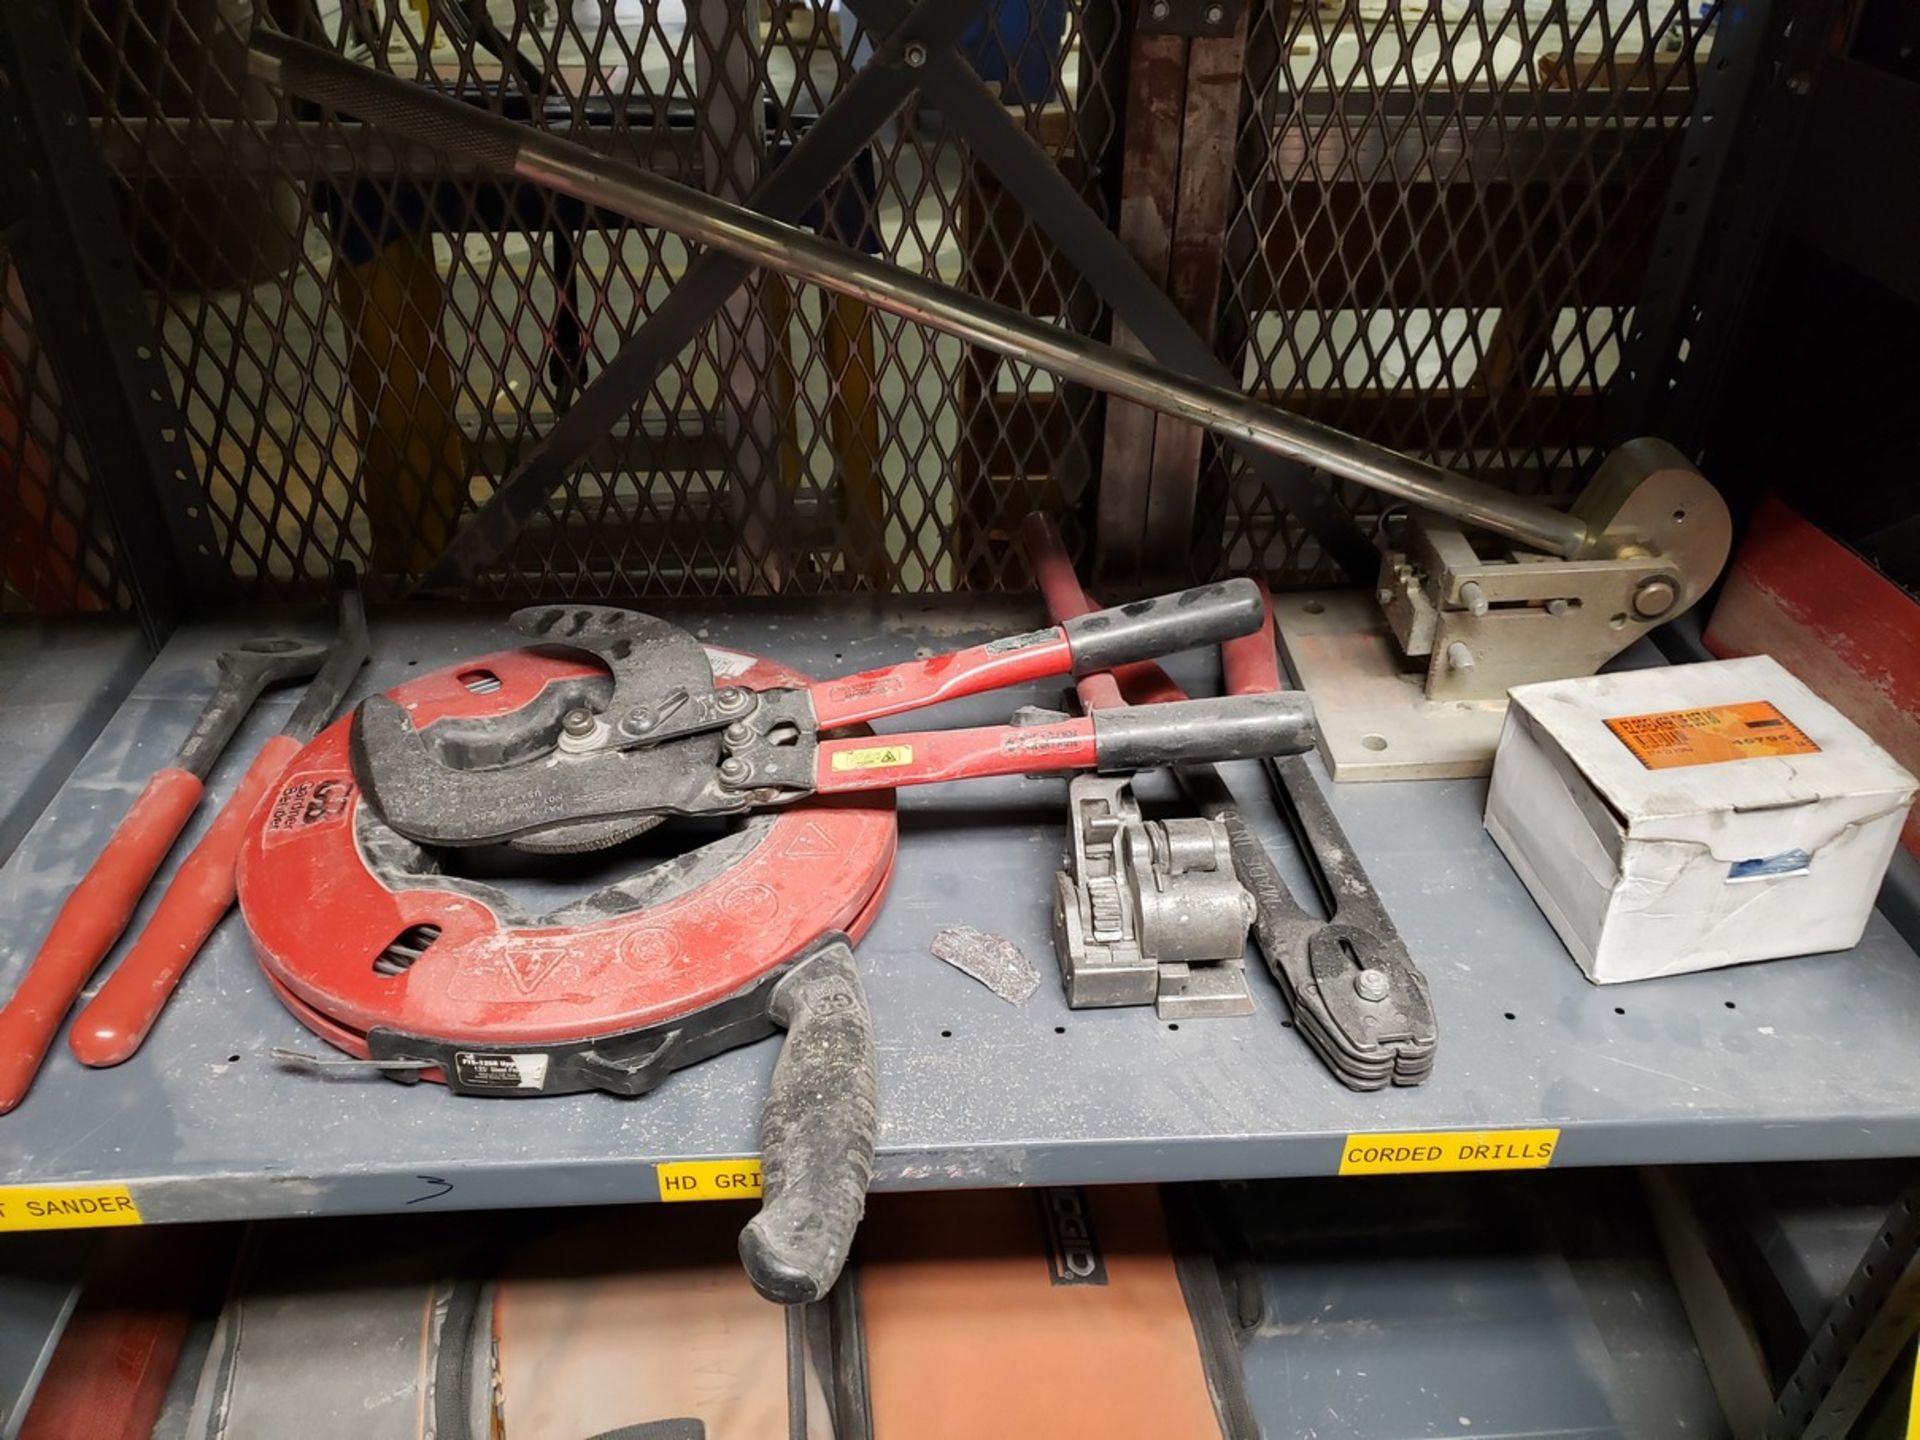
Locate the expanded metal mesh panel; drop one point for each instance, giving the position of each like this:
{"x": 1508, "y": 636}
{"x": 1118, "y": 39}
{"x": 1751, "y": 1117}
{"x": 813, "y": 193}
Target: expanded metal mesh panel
{"x": 1445, "y": 211}
{"x": 1442, "y": 215}
{"x": 366, "y": 335}
{"x": 56, "y": 548}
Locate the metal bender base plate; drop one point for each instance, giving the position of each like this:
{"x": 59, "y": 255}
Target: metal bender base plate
{"x": 1375, "y": 720}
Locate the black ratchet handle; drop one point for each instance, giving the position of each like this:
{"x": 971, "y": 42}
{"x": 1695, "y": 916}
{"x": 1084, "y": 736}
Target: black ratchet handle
{"x": 817, "y": 1131}
{"x": 1186, "y": 732}
{"x": 1185, "y": 620}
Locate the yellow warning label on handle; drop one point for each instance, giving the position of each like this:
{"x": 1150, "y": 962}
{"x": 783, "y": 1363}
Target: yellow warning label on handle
{"x": 1425, "y": 1152}
{"x": 873, "y": 757}
{"x": 66, "y": 1207}
{"x": 709, "y": 1180}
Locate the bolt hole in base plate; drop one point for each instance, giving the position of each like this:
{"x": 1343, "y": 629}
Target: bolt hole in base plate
{"x": 1375, "y": 720}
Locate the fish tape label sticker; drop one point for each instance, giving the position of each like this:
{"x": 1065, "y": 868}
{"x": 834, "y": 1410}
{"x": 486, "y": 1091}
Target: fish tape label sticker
{"x": 709, "y": 1180}
{"x": 873, "y": 757}
{"x": 66, "y": 1207}
{"x": 1711, "y": 736}
{"x": 1432, "y": 1151}
{"x": 480, "y": 1070}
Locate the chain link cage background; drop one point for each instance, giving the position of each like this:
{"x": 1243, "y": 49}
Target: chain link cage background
{"x": 1441, "y": 214}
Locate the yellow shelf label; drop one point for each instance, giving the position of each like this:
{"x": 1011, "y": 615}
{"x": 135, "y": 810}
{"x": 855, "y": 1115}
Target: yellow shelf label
{"x": 873, "y": 757}
{"x": 66, "y": 1207}
{"x": 709, "y": 1180}
{"x": 1424, "y": 1152}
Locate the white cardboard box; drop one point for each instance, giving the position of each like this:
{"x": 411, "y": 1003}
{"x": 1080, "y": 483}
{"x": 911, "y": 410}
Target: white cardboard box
{"x": 1654, "y": 852}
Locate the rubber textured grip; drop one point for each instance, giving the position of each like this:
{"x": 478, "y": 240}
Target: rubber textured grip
{"x": 114, "y": 1023}
{"x": 1140, "y": 683}
{"x": 1185, "y": 620}
{"x": 1186, "y": 732}
{"x": 817, "y": 1132}
{"x": 88, "y": 924}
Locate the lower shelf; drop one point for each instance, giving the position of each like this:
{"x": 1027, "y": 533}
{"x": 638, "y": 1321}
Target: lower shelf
{"x": 1451, "y": 1307}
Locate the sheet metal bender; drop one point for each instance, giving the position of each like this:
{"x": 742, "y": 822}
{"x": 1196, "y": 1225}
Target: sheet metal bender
{"x": 1557, "y": 593}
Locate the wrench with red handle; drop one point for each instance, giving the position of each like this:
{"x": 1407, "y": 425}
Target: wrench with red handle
{"x": 113, "y": 1024}
{"x": 100, "y": 906}
{"x": 116, "y": 1022}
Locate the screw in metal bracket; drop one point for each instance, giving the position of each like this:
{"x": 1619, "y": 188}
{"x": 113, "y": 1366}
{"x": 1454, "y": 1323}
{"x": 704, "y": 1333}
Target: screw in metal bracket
{"x": 734, "y": 770}
{"x": 738, "y": 733}
{"x": 1372, "y": 986}
{"x": 915, "y": 55}
{"x": 639, "y": 721}
{"x": 577, "y": 723}
{"x": 1160, "y": 9}
{"x": 731, "y": 700}
{"x": 1473, "y": 597}
{"x": 1215, "y": 14}
{"x": 1459, "y": 657}
{"x": 1654, "y": 597}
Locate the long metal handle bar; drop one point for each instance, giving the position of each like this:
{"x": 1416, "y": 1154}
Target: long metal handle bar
{"x": 500, "y": 144}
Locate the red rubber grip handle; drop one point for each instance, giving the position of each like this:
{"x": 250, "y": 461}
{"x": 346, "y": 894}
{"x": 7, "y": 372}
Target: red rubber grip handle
{"x": 881, "y": 762}
{"x": 117, "y": 1019}
{"x": 1251, "y": 662}
{"x": 88, "y": 924}
{"x": 1139, "y": 683}
{"x": 873, "y": 694}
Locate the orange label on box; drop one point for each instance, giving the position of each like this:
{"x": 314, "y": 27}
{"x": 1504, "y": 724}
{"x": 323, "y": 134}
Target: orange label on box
{"x": 1710, "y": 736}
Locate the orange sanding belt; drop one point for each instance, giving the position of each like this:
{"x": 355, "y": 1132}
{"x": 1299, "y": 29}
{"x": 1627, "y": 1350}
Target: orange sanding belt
{"x": 971, "y": 1330}
{"x": 611, "y": 1324}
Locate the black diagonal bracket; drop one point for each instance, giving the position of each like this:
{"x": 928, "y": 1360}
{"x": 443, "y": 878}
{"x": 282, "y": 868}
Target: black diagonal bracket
{"x": 829, "y": 145}
{"x": 917, "y": 54}
{"x": 1036, "y": 182}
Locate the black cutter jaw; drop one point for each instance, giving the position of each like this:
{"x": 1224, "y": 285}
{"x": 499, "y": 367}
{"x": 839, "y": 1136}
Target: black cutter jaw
{"x": 628, "y": 1064}
{"x": 657, "y": 740}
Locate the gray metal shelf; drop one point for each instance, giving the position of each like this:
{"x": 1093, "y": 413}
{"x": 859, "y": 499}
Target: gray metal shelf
{"x": 60, "y": 681}
{"x": 1803, "y": 1059}
{"x": 1525, "y": 1307}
